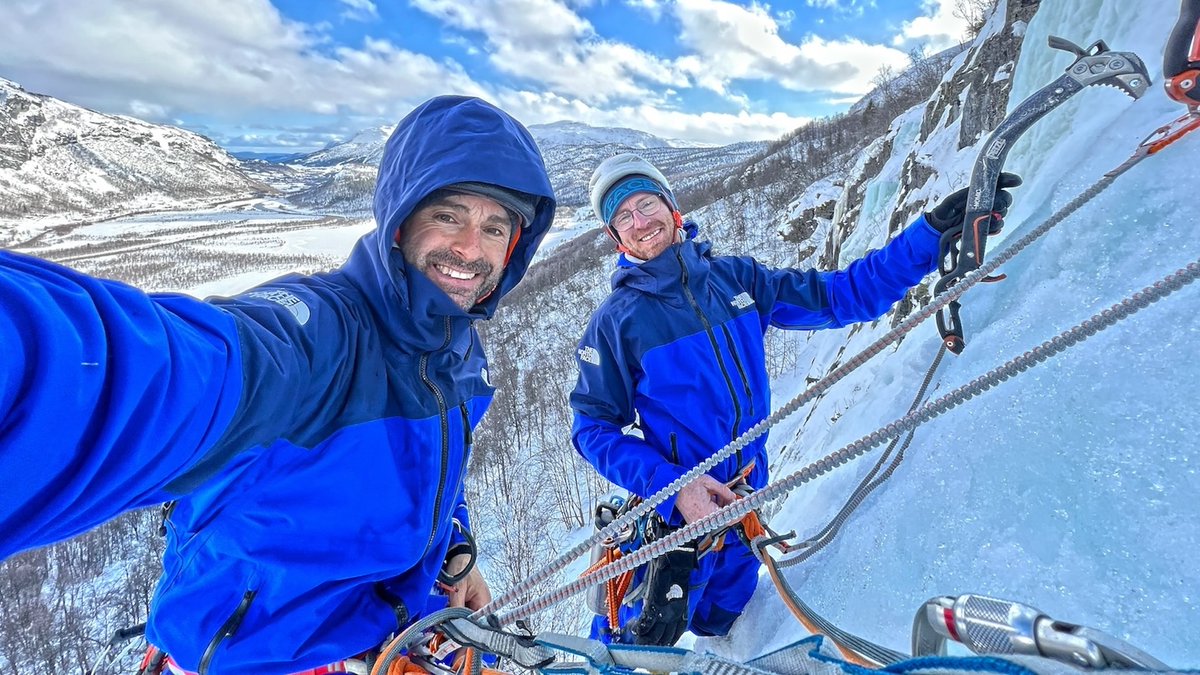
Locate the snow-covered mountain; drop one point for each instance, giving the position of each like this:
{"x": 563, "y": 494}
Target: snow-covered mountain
{"x": 59, "y": 160}
{"x": 571, "y": 151}
{"x": 365, "y": 147}
{"x": 577, "y": 133}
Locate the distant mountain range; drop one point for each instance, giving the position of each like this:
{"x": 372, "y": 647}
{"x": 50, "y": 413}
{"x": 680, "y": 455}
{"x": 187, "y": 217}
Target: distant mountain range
{"x": 60, "y": 159}
{"x": 571, "y": 151}
{"x": 577, "y": 133}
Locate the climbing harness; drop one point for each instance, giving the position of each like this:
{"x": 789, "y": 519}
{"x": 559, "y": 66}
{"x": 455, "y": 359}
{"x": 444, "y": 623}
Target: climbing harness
{"x": 606, "y": 600}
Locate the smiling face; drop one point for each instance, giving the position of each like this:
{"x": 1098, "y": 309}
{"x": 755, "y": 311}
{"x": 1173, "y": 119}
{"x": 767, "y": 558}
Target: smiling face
{"x": 645, "y": 236}
{"x": 459, "y": 242}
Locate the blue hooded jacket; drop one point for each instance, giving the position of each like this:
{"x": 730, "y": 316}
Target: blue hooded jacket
{"x": 313, "y": 432}
{"x": 672, "y": 366}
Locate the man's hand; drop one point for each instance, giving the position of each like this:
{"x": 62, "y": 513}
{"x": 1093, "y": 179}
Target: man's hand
{"x": 701, "y": 497}
{"x": 472, "y": 591}
{"x": 952, "y": 210}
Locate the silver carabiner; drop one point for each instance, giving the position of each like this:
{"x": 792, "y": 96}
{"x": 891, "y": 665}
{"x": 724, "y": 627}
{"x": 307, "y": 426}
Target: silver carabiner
{"x": 993, "y": 626}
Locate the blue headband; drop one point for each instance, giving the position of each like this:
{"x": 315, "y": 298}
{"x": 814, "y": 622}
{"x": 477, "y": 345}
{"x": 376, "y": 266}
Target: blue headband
{"x": 628, "y": 186}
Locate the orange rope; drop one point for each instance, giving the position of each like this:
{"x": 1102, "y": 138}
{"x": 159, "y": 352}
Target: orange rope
{"x": 401, "y": 665}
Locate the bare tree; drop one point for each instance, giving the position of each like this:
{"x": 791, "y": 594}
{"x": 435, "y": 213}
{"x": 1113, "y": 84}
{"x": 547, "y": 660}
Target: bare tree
{"x": 975, "y": 13}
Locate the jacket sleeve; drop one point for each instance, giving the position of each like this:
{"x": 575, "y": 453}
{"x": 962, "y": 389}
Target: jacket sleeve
{"x": 603, "y": 406}
{"x": 865, "y": 290}
{"x": 296, "y": 387}
{"x": 106, "y": 395}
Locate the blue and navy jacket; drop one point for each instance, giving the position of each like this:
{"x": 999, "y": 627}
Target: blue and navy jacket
{"x": 314, "y": 432}
{"x": 672, "y": 366}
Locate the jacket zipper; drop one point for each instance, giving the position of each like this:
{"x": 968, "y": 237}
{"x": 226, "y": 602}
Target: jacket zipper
{"x": 227, "y": 630}
{"x": 466, "y": 429}
{"x": 443, "y": 417}
{"x": 741, "y": 370}
{"x": 712, "y": 338}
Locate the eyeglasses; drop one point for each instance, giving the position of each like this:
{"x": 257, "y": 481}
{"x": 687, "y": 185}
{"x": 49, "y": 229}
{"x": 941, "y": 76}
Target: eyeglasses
{"x": 648, "y": 206}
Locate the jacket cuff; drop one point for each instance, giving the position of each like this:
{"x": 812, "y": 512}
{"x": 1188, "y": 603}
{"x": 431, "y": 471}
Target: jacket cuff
{"x": 665, "y": 474}
{"x": 924, "y": 231}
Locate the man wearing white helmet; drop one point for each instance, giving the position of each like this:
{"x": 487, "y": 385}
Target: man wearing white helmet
{"x": 672, "y": 368}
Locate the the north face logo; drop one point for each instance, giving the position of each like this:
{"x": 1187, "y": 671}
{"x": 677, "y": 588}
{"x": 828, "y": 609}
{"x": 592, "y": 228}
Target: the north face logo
{"x": 294, "y": 305}
{"x": 741, "y": 301}
{"x": 589, "y": 355}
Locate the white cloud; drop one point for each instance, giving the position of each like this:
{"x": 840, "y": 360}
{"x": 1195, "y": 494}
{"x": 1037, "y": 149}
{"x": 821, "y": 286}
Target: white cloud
{"x": 559, "y": 50}
{"x": 733, "y": 42}
{"x": 214, "y": 56}
{"x": 707, "y": 127}
{"x": 653, "y": 8}
{"x": 359, "y": 10}
{"x": 938, "y": 27}
{"x": 846, "y": 6}
{"x": 236, "y": 59}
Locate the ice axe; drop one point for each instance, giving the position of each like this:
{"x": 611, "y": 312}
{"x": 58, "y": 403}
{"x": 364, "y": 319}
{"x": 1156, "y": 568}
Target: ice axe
{"x": 961, "y": 255}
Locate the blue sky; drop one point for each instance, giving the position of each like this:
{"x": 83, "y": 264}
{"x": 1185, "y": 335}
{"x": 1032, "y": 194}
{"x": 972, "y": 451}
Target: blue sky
{"x": 294, "y": 75}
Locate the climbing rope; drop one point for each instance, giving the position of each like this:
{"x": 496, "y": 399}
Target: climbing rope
{"x": 809, "y": 547}
{"x": 740, "y": 508}
{"x": 1152, "y": 144}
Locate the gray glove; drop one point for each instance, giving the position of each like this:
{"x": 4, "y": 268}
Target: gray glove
{"x": 664, "y": 614}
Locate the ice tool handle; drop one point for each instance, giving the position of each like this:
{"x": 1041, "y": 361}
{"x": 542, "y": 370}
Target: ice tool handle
{"x": 961, "y": 256}
{"x": 993, "y": 626}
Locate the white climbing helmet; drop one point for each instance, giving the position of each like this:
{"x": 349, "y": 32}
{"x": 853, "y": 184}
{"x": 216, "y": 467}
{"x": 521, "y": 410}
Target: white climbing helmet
{"x": 622, "y": 175}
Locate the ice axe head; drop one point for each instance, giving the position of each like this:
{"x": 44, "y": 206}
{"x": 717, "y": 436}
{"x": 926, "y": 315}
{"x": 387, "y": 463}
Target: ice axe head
{"x": 1099, "y": 65}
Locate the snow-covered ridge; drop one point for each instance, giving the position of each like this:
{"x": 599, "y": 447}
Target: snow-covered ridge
{"x": 58, "y": 159}
{"x": 578, "y": 133}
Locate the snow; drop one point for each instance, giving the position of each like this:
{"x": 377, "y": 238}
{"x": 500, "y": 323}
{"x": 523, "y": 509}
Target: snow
{"x": 879, "y": 202}
{"x": 1071, "y": 488}
{"x": 568, "y": 224}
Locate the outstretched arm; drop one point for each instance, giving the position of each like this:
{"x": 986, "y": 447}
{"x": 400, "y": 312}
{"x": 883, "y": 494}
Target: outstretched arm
{"x": 865, "y": 290}
{"x": 106, "y": 395}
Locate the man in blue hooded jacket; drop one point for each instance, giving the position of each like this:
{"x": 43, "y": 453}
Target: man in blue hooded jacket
{"x": 313, "y": 433}
{"x": 672, "y": 368}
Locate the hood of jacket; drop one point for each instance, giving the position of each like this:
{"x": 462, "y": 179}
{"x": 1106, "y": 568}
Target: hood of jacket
{"x": 662, "y": 276}
{"x": 445, "y": 141}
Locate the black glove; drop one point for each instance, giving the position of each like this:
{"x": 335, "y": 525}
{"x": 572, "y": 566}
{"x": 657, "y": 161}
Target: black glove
{"x": 664, "y": 614}
{"x": 949, "y": 214}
